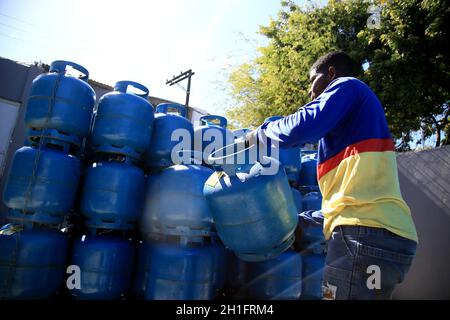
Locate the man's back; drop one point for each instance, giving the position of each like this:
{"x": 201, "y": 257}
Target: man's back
{"x": 357, "y": 168}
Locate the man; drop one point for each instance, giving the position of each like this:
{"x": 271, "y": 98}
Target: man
{"x": 371, "y": 237}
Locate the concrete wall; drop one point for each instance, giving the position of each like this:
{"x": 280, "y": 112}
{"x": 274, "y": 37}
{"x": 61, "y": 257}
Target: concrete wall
{"x": 425, "y": 185}
{"x": 15, "y": 85}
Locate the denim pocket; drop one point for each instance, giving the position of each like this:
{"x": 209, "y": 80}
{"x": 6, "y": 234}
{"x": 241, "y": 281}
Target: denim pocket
{"x": 339, "y": 274}
{"x": 336, "y": 283}
{"x": 351, "y": 244}
{"x": 391, "y": 265}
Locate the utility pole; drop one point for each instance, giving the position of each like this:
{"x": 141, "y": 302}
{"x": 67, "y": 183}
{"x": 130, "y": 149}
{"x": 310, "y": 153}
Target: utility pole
{"x": 182, "y": 76}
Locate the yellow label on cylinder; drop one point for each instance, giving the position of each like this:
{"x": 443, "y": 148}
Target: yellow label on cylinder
{"x": 214, "y": 179}
{"x": 11, "y": 230}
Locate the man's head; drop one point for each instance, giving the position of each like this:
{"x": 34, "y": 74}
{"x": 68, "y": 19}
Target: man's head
{"x": 327, "y": 68}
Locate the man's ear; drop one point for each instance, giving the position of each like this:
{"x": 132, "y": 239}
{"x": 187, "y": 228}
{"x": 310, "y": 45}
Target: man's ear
{"x": 331, "y": 73}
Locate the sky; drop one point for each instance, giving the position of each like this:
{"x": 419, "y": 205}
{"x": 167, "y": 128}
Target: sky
{"x": 144, "y": 41}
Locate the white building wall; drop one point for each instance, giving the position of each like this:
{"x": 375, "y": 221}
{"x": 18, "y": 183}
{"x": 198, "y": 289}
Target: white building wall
{"x": 8, "y": 116}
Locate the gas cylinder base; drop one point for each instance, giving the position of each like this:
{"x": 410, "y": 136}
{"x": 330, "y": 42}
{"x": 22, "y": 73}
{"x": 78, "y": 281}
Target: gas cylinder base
{"x": 119, "y": 150}
{"x": 114, "y": 157}
{"x": 16, "y": 215}
{"x": 273, "y": 253}
{"x": 109, "y": 224}
{"x": 176, "y": 239}
{"x": 157, "y": 165}
{"x": 53, "y": 137}
{"x": 185, "y": 231}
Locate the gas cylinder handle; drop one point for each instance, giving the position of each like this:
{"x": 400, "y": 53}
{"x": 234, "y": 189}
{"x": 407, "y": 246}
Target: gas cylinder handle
{"x": 229, "y": 163}
{"x": 168, "y": 107}
{"x": 122, "y": 86}
{"x": 239, "y": 133}
{"x": 209, "y": 119}
{"x": 61, "y": 65}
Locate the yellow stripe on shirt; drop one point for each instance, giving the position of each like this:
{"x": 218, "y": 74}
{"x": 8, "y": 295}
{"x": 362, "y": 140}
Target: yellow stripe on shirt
{"x": 363, "y": 190}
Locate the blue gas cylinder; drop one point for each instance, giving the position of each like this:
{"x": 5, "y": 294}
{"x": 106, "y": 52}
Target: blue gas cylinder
{"x": 313, "y": 266}
{"x": 174, "y": 202}
{"x": 236, "y": 276}
{"x": 41, "y": 185}
{"x": 211, "y": 135}
{"x": 32, "y": 262}
{"x": 312, "y": 201}
{"x": 308, "y": 172}
{"x": 297, "y": 196}
{"x": 290, "y": 157}
{"x": 60, "y": 106}
{"x": 279, "y": 278}
{"x": 313, "y": 239}
{"x": 172, "y": 272}
{"x": 172, "y": 132}
{"x": 123, "y": 122}
{"x": 106, "y": 266}
{"x": 312, "y": 235}
{"x": 219, "y": 254}
{"x": 254, "y": 212}
{"x": 112, "y": 195}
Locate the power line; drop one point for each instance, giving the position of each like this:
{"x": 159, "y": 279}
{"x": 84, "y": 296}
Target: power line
{"x": 42, "y": 28}
{"x": 17, "y": 19}
{"x": 18, "y": 39}
{"x": 21, "y": 30}
{"x": 181, "y": 87}
{"x": 40, "y": 41}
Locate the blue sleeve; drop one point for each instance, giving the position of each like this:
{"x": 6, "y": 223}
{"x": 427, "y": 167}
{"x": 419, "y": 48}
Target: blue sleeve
{"x": 315, "y": 119}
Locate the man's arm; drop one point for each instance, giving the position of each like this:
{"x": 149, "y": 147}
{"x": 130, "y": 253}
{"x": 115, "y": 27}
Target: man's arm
{"x": 312, "y": 121}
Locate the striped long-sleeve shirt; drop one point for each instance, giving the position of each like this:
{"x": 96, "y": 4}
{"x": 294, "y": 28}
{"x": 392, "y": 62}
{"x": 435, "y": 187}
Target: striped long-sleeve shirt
{"x": 357, "y": 169}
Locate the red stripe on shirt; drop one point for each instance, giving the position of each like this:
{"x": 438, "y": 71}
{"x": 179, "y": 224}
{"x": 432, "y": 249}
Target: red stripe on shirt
{"x": 370, "y": 145}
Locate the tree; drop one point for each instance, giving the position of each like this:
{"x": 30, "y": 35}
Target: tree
{"x": 401, "y": 43}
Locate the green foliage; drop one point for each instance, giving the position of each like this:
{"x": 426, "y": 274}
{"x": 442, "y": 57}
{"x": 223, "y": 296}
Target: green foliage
{"x": 409, "y": 67}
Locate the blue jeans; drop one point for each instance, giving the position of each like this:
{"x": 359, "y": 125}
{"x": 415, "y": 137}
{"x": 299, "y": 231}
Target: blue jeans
{"x": 365, "y": 263}
{"x": 362, "y": 262}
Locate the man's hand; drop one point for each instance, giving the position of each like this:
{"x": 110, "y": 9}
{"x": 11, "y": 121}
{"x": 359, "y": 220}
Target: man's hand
{"x": 250, "y": 139}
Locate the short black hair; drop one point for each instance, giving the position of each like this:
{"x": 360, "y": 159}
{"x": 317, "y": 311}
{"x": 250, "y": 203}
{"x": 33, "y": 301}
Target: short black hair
{"x": 341, "y": 61}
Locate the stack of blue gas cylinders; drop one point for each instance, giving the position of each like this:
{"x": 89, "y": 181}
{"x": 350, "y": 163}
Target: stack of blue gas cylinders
{"x": 42, "y": 185}
{"x": 111, "y": 193}
{"x": 180, "y": 255}
{"x": 120, "y": 200}
{"x": 312, "y": 242}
